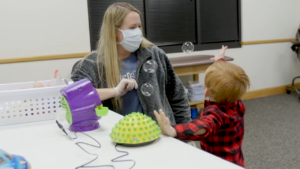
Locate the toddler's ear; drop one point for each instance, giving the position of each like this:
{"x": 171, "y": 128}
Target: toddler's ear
{"x": 206, "y": 94}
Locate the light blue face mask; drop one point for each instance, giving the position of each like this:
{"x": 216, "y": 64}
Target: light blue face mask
{"x": 132, "y": 39}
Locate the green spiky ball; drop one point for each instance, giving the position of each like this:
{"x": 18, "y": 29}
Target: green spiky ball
{"x": 135, "y": 128}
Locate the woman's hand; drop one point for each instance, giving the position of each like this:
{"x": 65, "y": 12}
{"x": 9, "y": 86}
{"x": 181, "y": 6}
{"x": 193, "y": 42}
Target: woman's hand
{"x": 221, "y": 53}
{"x": 124, "y": 86}
{"x": 164, "y": 124}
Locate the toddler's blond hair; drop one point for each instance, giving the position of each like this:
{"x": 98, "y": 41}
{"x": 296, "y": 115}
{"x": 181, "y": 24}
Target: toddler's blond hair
{"x": 226, "y": 82}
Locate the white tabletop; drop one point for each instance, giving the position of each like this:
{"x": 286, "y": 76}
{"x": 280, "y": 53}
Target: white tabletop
{"x": 45, "y": 146}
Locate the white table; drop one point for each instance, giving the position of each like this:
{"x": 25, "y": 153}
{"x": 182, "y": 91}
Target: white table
{"x": 45, "y": 146}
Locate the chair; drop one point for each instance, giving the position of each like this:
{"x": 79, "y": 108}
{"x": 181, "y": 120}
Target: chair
{"x": 295, "y": 48}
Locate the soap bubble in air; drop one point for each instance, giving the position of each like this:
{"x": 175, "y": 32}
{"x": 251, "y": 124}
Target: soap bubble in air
{"x": 147, "y": 89}
{"x": 150, "y": 66}
{"x": 188, "y": 47}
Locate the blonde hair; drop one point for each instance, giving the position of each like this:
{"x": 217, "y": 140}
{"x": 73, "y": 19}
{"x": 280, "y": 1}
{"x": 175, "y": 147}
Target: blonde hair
{"x": 107, "y": 46}
{"x": 226, "y": 82}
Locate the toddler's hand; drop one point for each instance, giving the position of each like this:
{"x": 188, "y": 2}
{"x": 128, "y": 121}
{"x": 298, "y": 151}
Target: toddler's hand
{"x": 164, "y": 124}
{"x": 221, "y": 53}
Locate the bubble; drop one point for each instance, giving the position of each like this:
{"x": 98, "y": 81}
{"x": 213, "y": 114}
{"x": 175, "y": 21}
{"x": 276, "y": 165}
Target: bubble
{"x": 147, "y": 89}
{"x": 188, "y": 47}
{"x": 150, "y": 66}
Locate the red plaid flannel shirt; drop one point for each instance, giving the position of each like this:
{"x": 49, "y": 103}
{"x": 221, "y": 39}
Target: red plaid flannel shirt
{"x": 224, "y": 124}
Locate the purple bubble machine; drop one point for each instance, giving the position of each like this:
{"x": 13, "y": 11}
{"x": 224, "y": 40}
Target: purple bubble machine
{"x": 83, "y": 106}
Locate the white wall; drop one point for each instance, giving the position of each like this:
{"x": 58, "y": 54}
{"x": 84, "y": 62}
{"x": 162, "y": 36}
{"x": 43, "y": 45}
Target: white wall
{"x": 43, "y": 27}
{"x": 269, "y": 19}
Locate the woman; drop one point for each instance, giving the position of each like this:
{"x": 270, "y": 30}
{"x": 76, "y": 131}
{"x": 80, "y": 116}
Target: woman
{"x": 116, "y": 69}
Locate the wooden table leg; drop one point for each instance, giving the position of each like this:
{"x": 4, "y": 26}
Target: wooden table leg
{"x": 195, "y": 77}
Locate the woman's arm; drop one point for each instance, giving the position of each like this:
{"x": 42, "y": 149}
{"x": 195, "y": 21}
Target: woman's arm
{"x": 107, "y": 93}
{"x": 123, "y": 87}
{"x": 88, "y": 69}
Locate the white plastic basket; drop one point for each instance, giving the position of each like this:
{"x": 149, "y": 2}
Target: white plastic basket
{"x": 20, "y": 103}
